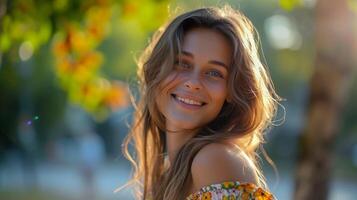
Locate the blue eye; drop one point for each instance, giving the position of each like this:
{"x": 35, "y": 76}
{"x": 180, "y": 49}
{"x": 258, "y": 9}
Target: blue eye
{"x": 215, "y": 73}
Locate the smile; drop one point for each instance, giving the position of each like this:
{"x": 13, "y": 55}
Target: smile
{"x": 188, "y": 101}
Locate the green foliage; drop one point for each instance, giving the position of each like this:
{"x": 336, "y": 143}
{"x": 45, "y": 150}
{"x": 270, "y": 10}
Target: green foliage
{"x": 290, "y": 4}
{"x": 25, "y": 21}
{"x": 352, "y": 4}
{"x": 34, "y": 85}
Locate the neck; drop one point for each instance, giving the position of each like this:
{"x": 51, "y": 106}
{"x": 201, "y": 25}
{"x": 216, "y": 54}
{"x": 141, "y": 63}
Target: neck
{"x": 174, "y": 142}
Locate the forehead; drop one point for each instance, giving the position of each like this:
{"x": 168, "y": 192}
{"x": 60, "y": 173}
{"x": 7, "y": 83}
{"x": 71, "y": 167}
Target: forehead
{"x": 208, "y": 44}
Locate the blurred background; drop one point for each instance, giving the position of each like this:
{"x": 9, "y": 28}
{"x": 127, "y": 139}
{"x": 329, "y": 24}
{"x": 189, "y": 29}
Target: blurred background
{"x": 65, "y": 70}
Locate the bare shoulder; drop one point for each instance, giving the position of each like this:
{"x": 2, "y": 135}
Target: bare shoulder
{"x": 216, "y": 163}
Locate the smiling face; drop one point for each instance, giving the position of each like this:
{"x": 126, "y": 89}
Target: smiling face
{"x": 195, "y": 91}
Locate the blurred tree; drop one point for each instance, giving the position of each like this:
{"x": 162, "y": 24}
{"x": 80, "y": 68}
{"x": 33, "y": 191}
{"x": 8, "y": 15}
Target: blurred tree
{"x": 50, "y": 54}
{"x": 77, "y": 61}
{"x": 77, "y": 29}
{"x": 336, "y": 44}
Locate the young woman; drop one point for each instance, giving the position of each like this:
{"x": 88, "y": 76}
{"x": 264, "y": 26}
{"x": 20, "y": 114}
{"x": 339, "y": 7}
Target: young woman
{"x": 206, "y": 101}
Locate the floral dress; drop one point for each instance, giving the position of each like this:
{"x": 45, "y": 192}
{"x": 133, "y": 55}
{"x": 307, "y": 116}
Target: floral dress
{"x": 231, "y": 191}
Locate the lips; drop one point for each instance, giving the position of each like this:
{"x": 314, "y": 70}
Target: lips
{"x": 190, "y": 100}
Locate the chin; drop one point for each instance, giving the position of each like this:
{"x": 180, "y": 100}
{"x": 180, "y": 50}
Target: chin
{"x": 188, "y": 125}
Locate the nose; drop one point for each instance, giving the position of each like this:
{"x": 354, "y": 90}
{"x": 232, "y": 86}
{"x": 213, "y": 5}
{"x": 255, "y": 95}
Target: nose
{"x": 193, "y": 82}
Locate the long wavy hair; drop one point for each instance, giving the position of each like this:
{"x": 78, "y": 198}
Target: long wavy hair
{"x": 242, "y": 121}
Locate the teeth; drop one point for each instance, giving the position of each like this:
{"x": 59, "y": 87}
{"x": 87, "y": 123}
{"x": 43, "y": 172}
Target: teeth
{"x": 189, "y": 101}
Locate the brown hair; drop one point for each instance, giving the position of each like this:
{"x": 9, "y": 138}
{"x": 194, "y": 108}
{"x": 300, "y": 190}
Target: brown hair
{"x": 242, "y": 121}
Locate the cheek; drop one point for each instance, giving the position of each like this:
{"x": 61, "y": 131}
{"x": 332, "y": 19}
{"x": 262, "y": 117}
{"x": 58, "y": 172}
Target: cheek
{"x": 170, "y": 83}
{"x": 169, "y": 80}
{"x": 163, "y": 95}
{"x": 218, "y": 91}
{"x": 163, "y": 87}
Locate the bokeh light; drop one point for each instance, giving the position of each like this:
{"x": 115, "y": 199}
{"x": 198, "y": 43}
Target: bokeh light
{"x": 25, "y": 51}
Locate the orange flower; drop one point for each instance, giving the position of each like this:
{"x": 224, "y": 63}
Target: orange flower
{"x": 228, "y": 184}
{"x": 194, "y": 196}
{"x": 245, "y": 196}
{"x": 79, "y": 41}
{"x": 246, "y": 190}
{"x": 130, "y": 8}
{"x": 60, "y": 49}
{"x": 247, "y": 187}
{"x": 260, "y": 194}
{"x": 206, "y": 196}
{"x": 116, "y": 97}
{"x": 97, "y": 22}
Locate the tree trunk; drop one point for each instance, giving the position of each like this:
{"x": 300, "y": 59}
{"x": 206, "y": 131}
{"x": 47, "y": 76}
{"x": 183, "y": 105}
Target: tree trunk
{"x": 335, "y": 62}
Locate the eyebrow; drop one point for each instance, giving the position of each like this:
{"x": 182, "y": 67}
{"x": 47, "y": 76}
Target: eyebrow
{"x": 215, "y": 62}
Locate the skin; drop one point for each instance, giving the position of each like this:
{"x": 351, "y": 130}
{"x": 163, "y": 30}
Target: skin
{"x": 218, "y": 163}
{"x": 200, "y": 74}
